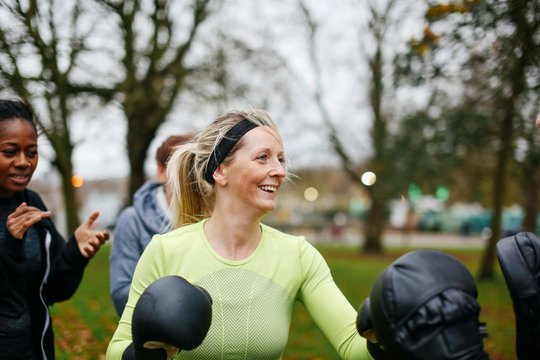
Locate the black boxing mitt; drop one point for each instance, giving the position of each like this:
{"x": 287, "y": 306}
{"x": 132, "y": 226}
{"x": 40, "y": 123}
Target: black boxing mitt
{"x": 364, "y": 326}
{"x": 423, "y": 306}
{"x": 170, "y": 311}
{"x": 519, "y": 259}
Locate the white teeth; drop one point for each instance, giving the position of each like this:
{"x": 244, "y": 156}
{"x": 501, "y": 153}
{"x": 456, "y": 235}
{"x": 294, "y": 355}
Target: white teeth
{"x": 268, "y": 188}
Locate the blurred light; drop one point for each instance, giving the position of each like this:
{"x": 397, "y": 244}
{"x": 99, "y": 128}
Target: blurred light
{"x": 77, "y": 181}
{"x": 340, "y": 219}
{"x": 442, "y": 193}
{"x": 414, "y": 192}
{"x": 486, "y": 233}
{"x": 369, "y": 178}
{"x": 357, "y": 207}
{"x": 311, "y": 194}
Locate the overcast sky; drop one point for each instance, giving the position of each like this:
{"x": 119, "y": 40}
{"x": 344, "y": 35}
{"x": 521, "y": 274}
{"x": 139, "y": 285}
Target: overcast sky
{"x": 100, "y": 136}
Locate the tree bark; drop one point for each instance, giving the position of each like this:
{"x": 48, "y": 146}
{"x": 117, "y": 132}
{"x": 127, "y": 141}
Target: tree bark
{"x": 374, "y": 226}
{"x": 531, "y": 185}
{"x": 65, "y": 168}
{"x": 521, "y": 41}
{"x": 499, "y": 186}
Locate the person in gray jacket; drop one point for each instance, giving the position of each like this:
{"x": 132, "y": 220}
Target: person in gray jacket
{"x": 138, "y": 223}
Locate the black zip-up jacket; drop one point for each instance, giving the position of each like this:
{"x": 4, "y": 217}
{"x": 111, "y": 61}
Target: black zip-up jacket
{"x": 60, "y": 274}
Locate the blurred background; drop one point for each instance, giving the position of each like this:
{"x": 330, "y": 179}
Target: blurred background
{"x": 399, "y": 118}
{"x": 405, "y": 123}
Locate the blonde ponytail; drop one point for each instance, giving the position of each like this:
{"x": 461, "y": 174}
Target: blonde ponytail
{"x": 188, "y": 203}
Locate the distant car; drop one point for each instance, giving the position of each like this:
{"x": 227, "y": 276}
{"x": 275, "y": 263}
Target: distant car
{"x": 474, "y": 224}
{"x": 429, "y": 221}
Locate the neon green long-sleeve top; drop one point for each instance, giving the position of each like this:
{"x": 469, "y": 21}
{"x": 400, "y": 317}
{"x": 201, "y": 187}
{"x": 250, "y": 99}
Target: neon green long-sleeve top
{"x": 252, "y": 298}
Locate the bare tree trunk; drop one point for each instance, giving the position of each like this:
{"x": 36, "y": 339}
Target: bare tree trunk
{"x": 499, "y": 186}
{"x": 374, "y": 226}
{"x": 522, "y": 41}
{"x": 531, "y": 207}
{"x": 531, "y": 186}
{"x": 380, "y": 21}
{"x": 138, "y": 141}
{"x": 70, "y": 204}
{"x": 143, "y": 120}
{"x": 155, "y": 75}
{"x": 65, "y": 168}
{"x": 137, "y": 177}
{"x": 376, "y": 221}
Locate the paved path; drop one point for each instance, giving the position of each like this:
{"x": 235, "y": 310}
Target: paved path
{"x": 393, "y": 238}
{"x": 439, "y": 240}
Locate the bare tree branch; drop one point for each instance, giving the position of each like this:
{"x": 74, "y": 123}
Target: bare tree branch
{"x": 339, "y": 149}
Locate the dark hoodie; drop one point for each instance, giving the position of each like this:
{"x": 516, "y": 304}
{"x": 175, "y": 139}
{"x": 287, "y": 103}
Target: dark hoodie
{"x": 59, "y": 275}
{"x": 133, "y": 231}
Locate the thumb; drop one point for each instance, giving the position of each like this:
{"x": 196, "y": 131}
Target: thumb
{"x": 91, "y": 219}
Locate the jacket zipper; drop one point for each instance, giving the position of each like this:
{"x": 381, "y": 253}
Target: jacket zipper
{"x": 44, "y": 280}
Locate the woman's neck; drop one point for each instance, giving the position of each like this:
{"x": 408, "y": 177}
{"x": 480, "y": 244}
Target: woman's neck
{"x": 233, "y": 237}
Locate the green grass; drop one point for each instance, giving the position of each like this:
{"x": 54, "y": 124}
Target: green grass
{"x": 84, "y": 324}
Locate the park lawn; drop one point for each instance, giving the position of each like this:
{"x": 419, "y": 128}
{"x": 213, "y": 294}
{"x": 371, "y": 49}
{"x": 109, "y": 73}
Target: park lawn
{"x": 84, "y": 325}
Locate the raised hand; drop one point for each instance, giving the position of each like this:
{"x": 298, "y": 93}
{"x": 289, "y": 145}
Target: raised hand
{"x": 22, "y": 218}
{"x": 89, "y": 240}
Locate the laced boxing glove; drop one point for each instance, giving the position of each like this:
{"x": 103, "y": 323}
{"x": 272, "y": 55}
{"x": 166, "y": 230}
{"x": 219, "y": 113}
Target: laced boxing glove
{"x": 364, "y": 326}
{"x": 171, "y": 315}
{"x": 519, "y": 259}
{"x": 423, "y": 306}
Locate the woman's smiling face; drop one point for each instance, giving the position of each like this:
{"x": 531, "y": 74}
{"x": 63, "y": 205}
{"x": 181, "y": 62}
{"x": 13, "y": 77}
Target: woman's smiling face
{"x": 257, "y": 169}
{"x": 18, "y": 155}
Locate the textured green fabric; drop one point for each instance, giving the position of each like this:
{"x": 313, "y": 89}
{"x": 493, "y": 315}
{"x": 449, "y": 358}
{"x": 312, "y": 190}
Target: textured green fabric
{"x": 252, "y": 298}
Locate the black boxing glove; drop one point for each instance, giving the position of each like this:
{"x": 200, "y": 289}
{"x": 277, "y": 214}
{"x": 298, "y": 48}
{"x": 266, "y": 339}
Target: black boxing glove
{"x": 364, "y": 326}
{"x": 424, "y": 307}
{"x": 519, "y": 259}
{"x": 170, "y": 314}
{"x": 364, "y": 323}
{"x": 142, "y": 353}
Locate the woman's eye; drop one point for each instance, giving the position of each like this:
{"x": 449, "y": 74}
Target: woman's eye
{"x": 9, "y": 152}
{"x": 31, "y": 154}
{"x": 262, "y": 157}
{"x": 281, "y": 160}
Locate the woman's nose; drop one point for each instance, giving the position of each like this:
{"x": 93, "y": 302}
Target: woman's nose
{"x": 22, "y": 161}
{"x": 279, "y": 169}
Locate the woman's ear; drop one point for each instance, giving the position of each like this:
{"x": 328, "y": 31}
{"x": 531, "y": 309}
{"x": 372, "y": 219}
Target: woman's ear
{"x": 161, "y": 173}
{"x": 220, "y": 175}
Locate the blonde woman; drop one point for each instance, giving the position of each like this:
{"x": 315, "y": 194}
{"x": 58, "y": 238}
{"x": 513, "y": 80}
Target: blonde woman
{"x": 223, "y": 184}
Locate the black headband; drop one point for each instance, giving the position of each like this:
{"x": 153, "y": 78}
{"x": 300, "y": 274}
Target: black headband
{"x": 225, "y": 145}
